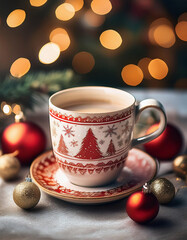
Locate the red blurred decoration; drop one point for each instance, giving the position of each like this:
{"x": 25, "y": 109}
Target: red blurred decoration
{"x": 167, "y": 145}
{"x": 142, "y": 207}
{"x": 26, "y": 137}
{"x": 117, "y": 5}
{"x": 142, "y": 7}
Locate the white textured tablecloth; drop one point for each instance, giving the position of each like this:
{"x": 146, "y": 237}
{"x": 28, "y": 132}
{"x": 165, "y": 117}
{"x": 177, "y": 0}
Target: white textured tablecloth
{"x": 56, "y": 219}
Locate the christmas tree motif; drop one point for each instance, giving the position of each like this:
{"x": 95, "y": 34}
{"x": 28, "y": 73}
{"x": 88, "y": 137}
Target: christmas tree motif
{"x": 111, "y": 149}
{"x": 89, "y": 148}
{"x": 62, "y": 146}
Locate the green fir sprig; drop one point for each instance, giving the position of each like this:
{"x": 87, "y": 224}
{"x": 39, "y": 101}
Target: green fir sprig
{"x": 27, "y": 90}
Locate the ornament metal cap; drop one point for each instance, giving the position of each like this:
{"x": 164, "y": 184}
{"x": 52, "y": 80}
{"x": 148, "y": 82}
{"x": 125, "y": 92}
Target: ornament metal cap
{"x": 146, "y": 188}
{"x": 28, "y": 178}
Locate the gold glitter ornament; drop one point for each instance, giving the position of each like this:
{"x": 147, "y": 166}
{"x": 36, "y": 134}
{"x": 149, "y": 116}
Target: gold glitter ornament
{"x": 9, "y": 167}
{"x": 26, "y": 194}
{"x": 163, "y": 189}
{"x": 180, "y": 166}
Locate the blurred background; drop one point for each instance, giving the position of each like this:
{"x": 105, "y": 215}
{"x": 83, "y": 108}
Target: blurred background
{"x": 50, "y": 45}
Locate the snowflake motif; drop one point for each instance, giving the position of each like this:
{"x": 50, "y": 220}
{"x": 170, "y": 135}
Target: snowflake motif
{"x": 74, "y": 143}
{"x": 120, "y": 143}
{"x": 110, "y": 131}
{"x": 127, "y": 128}
{"x": 68, "y": 131}
{"x": 54, "y": 133}
{"x": 101, "y": 142}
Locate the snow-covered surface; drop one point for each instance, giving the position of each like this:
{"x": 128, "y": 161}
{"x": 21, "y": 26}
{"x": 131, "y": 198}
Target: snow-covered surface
{"x": 56, "y": 219}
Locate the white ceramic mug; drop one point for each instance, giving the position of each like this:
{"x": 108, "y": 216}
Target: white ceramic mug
{"x": 91, "y": 147}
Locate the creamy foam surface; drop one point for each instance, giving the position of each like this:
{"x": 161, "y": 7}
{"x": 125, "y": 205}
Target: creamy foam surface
{"x": 94, "y": 107}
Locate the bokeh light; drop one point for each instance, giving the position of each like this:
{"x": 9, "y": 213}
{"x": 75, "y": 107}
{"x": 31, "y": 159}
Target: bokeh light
{"x": 77, "y": 4}
{"x": 20, "y": 67}
{"x": 143, "y": 64}
{"x": 110, "y": 39}
{"x": 60, "y": 37}
{"x": 164, "y": 36}
{"x": 3, "y": 104}
{"x": 65, "y": 11}
{"x": 158, "y": 27}
{"x": 181, "y": 30}
{"x": 49, "y": 53}
{"x": 7, "y": 109}
{"x": 16, "y": 18}
{"x": 37, "y": 3}
{"x": 183, "y": 17}
{"x": 83, "y": 62}
{"x": 101, "y": 7}
{"x": 16, "y": 108}
{"x": 158, "y": 68}
{"x": 93, "y": 20}
{"x": 132, "y": 75}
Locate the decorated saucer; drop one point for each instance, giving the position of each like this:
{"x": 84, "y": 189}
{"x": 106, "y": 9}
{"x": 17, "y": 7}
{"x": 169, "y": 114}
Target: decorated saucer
{"x": 138, "y": 169}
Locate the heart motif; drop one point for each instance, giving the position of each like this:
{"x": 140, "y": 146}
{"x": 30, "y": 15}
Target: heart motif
{"x": 63, "y": 166}
{"x": 118, "y": 165}
{"x": 90, "y": 171}
{"x": 82, "y": 171}
{"x": 69, "y": 168}
{"x": 112, "y": 167}
{"x": 98, "y": 170}
{"x": 106, "y": 169}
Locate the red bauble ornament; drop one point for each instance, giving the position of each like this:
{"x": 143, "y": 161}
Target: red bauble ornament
{"x": 26, "y": 137}
{"x": 167, "y": 145}
{"x": 142, "y": 207}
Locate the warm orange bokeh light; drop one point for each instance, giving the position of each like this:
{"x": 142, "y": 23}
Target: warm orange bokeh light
{"x": 16, "y": 18}
{"x": 16, "y": 109}
{"x": 37, "y": 3}
{"x": 154, "y": 25}
{"x": 110, "y": 39}
{"x": 183, "y": 17}
{"x": 83, "y": 62}
{"x": 77, "y": 4}
{"x": 164, "y": 36}
{"x": 92, "y": 19}
{"x": 132, "y": 75}
{"x": 60, "y": 37}
{"x": 20, "y": 67}
{"x": 49, "y": 53}
{"x": 2, "y": 105}
{"x": 101, "y": 7}
{"x": 65, "y": 12}
{"x": 158, "y": 69}
{"x": 181, "y": 30}
{"x": 143, "y": 64}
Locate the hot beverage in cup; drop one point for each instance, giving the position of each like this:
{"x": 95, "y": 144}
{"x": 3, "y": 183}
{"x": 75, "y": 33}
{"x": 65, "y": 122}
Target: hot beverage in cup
{"x": 92, "y": 132}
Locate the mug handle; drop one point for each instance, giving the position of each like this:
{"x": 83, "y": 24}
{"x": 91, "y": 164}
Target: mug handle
{"x": 150, "y": 103}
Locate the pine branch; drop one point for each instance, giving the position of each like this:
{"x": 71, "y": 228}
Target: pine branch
{"x": 25, "y": 91}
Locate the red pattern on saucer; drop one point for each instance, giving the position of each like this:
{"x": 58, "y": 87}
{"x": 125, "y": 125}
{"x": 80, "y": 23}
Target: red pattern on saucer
{"x": 139, "y": 168}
